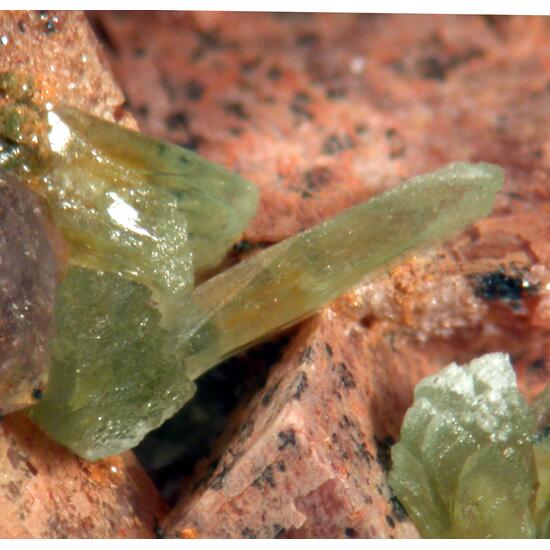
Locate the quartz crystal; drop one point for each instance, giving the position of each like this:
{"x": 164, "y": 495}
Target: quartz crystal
{"x": 109, "y": 376}
{"x": 290, "y": 280}
{"x": 110, "y": 381}
{"x": 465, "y": 465}
{"x": 28, "y": 271}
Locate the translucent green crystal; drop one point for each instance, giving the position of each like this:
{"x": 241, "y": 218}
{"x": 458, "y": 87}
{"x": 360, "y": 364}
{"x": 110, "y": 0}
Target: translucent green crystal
{"x": 292, "y": 279}
{"x": 216, "y": 204}
{"x": 273, "y": 289}
{"x": 465, "y": 465}
{"x": 110, "y": 381}
{"x": 126, "y": 203}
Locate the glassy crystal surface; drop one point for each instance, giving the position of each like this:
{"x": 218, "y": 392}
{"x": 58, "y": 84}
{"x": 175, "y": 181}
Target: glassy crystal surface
{"x": 290, "y": 280}
{"x": 113, "y": 365}
{"x": 28, "y": 271}
{"x": 110, "y": 380}
{"x": 465, "y": 464}
{"x": 126, "y": 203}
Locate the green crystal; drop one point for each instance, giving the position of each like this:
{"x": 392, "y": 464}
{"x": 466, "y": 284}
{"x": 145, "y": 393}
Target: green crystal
{"x": 294, "y": 278}
{"x": 126, "y": 203}
{"x": 273, "y": 289}
{"x": 466, "y": 465}
{"x": 110, "y": 381}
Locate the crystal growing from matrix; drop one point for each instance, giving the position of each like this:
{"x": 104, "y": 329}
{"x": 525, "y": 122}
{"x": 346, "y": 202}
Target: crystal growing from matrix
{"x": 111, "y": 381}
{"x": 101, "y": 349}
{"x": 467, "y": 464}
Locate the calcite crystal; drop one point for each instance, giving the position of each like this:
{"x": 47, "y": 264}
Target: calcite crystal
{"x": 465, "y": 464}
{"x": 116, "y": 374}
{"x": 28, "y": 271}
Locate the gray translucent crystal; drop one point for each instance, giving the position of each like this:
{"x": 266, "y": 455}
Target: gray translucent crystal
{"x": 27, "y": 287}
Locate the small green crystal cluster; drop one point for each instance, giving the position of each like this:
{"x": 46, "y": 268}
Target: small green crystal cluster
{"x": 467, "y": 464}
{"x": 141, "y": 218}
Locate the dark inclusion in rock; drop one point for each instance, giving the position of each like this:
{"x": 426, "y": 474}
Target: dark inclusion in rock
{"x": 27, "y": 287}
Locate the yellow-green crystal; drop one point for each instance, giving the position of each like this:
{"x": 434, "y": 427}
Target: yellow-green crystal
{"x": 292, "y": 279}
{"x": 126, "y": 203}
{"x": 466, "y": 465}
{"x": 110, "y": 381}
{"x": 274, "y": 288}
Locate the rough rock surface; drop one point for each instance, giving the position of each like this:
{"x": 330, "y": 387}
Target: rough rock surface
{"x": 322, "y": 111}
{"x": 45, "y": 491}
{"x": 60, "y": 51}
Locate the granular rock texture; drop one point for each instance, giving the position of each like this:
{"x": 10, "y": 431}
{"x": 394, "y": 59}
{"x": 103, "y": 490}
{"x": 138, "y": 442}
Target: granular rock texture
{"x": 309, "y": 455}
{"x": 323, "y": 111}
{"x": 60, "y": 52}
{"x": 47, "y": 492}
{"x": 28, "y": 272}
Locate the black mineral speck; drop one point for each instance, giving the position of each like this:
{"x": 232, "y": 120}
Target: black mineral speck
{"x": 307, "y": 39}
{"x": 37, "y": 394}
{"x": 139, "y": 52}
{"x": 266, "y": 399}
{"x": 497, "y": 285}
{"x": 383, "y": 451}
{"x": 299, "y": 106}
{"x": 399, "y": 513}
{"x": 328, "y": 349}
{"x": 49, "y": 27}
{"x": 236, "y": 109}
{"x": 350, "y": 532}
{"x": 286, "y": 439}
{"x": 248, "y": 533}
{"x": 345, "y": 376}
{"x": 317, "y": 178}
{"x": 21, "y": 26}
{"x": 274, "y": 73}
{"x": 306, "y": 355}
{"x": 194, "y": 90}
{"x": 537, "y": 364}
{"x": 265, "y": 478}
{"x": 390, "y": 521}
{"x": 177, "y": 120}
{"x": 299, "y": 384}
{"x": 336, "y": 144}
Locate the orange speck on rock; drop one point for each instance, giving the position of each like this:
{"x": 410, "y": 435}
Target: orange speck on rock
{"x": 189, "y": 533}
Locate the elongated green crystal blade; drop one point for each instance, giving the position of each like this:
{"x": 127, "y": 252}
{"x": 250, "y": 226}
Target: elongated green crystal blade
{"x": 110, "y": 381}
{"x": 464, "y": 466}
{"x": 292, "y": 279}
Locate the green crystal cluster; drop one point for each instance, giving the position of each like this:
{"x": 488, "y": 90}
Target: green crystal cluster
{"x": 141, "y": 218}
{"x": 110, "y": 381}
{"x": 242, "y": 305}
{"x": 125, "y": 203}
{"x": 467, "y": 464}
